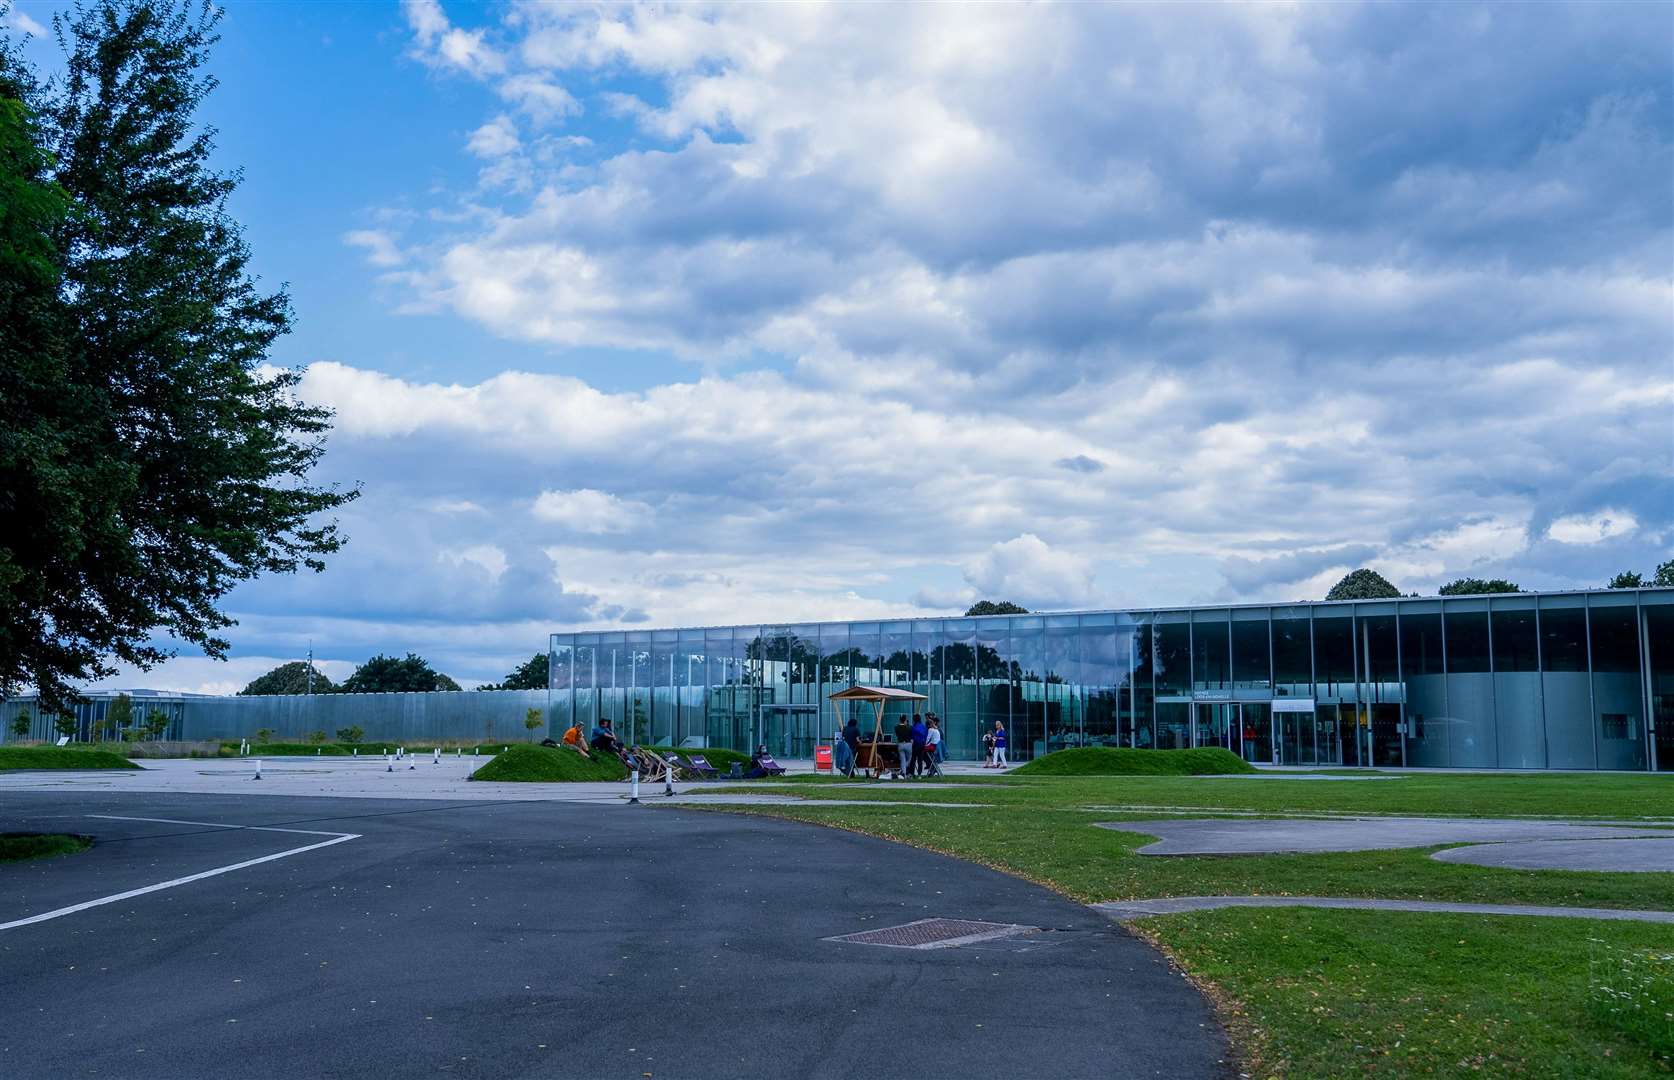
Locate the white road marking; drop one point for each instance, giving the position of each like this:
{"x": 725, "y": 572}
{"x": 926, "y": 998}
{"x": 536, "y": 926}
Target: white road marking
{"x": 336, "y": 838}
{"x": 218, "y": 825}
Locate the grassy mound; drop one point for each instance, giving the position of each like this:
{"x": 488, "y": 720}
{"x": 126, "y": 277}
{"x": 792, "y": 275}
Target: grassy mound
{"x": 60, "y": 757}
{"x": 1118, "y": 761}
{"x": 15, "y": 846}
{"x": 546, "y": 764}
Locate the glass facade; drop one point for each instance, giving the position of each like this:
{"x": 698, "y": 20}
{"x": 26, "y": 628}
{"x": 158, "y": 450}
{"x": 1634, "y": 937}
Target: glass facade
{"x": 1516, "y": 681}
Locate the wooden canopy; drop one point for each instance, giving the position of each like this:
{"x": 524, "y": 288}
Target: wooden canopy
{"x": 879, "y": 696}
{"x": 876, "y": 693}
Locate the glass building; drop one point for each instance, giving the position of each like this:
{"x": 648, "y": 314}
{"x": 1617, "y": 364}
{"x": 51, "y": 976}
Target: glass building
{"x": 1572, "y": 680}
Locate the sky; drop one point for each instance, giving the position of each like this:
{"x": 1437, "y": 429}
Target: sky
{"x": 680, "y": 315}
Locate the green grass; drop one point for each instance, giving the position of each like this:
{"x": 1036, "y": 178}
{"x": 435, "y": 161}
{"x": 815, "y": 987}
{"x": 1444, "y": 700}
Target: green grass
{"x": 1581, "y": 795}
{"x": 1394, "y": 994}
{"x": 1631, "y": 990}
{"x": 340, "y": 749}
{"x": 17, "y": 846}
{"x": 547, "y": 764}
{"x": 1114, "y": 761}
{"x": 60, "y": 757}
{"x": 1328, "y": 993}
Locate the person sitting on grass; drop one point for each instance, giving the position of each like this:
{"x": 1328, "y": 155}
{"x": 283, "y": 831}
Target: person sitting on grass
{"x": 605, "y": 741}
{"x": 572, "y": 739}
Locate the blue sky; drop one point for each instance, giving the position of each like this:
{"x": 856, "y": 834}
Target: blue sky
{"x": 663, "y": 315}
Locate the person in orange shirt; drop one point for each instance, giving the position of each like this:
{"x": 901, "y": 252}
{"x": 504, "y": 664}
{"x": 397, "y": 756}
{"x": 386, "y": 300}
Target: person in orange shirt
{"x": 573, "y": 740}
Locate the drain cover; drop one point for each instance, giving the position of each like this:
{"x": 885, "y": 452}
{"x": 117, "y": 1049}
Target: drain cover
{"x": 935, "y": 934}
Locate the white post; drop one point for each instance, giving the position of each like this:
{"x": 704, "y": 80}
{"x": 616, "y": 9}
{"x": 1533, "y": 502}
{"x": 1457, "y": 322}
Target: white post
{"x": 668, "y": 780}
{"x": 258, "y": 768}
{"x": 437, "y": 758}
{"x": 635, "y": 796}
{"x": 389, "y": 763}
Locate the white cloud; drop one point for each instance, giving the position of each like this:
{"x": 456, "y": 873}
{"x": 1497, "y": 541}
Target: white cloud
{"x": 440, "y": 44}
{"x": 1028, "y": 571}
{"x": 20, "y": 22}
{"x": 1592, "y": 528}
{"x": 488, "y": 558}
{"x": 588, "y": 511}
{"x": 381, "y": 248}
{"x": 495, "y": 139}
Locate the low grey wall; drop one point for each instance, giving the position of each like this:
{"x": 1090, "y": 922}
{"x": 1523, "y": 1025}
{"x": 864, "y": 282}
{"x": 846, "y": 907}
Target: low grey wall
{"x": 459, "y": 714}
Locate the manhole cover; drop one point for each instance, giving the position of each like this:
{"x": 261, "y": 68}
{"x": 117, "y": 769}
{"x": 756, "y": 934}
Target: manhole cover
{"x": 935, "y": 934}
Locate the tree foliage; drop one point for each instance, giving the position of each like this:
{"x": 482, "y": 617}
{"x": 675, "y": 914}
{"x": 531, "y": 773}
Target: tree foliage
{"x": 532, "y": 719}
{"x": 156, "y": 724}
{"x": 291, "y": 678}
{"x": 1470, "y": 586}
{"x": 20, "y": 724}
{"x": 119, "y": 716}
{"x": 387, "y": 675}
{"x": 1662, "y": 578}
{"x": 529, "y": 675}
{"x": 993, "y": 607}
{"x": 351, "y": 734}
{"x": 1363, "y": 584}
{"x": 156, "y": 458}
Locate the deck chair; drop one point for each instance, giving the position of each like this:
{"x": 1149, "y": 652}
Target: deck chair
{"x": 701, "y": 768}
{"x": 769, "y": 766}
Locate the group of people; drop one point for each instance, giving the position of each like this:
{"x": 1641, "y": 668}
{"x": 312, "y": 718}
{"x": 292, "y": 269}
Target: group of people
{"x": 918, "y": 746}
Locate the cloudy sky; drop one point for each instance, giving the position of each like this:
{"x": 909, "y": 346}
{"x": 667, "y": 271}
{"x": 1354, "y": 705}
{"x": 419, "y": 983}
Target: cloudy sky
{"x": 674, "y": 315}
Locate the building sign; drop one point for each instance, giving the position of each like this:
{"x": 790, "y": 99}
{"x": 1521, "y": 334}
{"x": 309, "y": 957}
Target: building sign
{"x": 1293, "y": 704}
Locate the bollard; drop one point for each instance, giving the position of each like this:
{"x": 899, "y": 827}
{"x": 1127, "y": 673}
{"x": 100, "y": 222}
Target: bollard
{"x": 355, "y": 752}
{"x": 389, "y": 763}
{"x": 317, "y": 750}
{"x": 436, "y": 759}
{"x": 635, "y": 796}
{"x": 258, "y": 768}
{"x": 668, "y": 781}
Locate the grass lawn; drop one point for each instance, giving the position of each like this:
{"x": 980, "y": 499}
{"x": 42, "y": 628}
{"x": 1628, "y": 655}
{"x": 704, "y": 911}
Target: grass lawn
{"x": 1327, "y": 993}
{"x": 60, "y": 757}
{"x": 16, "y": 846}
{"x": 1117, "y": 761}
{"x": 1332, "y": 993}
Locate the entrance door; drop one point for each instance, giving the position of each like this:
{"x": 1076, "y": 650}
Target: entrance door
{"x": 789, "y": 730}
{"x": 1386, "y": 735}
{"x": 1217, "y": 725}
{"x": 1256, "y": 733}
{"x": 1348, "y": 733}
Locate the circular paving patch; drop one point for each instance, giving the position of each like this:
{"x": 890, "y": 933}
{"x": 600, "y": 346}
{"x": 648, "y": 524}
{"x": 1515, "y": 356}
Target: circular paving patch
{"x": 1628, "y": 856}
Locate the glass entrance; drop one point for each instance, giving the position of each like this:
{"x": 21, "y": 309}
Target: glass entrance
{"x": 1217, "y": 726}
{"x": 1308, "y": 737}
{"x": 788, "y": 730}
{"x": 1256, "y": 734}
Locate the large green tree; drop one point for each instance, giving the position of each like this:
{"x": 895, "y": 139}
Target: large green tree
{"x": 386, "y": 674}
{"x": 1471, "y": 586}
{"x": 155, "y": 457}
{"x": 529, "y": 675}
{"x": 1363, "y": 584}
{"x": 993, "y": 607}
{"x": 291, "y": 678}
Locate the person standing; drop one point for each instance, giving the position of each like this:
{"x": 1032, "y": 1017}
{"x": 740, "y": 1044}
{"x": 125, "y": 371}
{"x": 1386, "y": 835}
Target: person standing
{"x": 903, "y": 746}
{"x": 999, "y": 745}
{"x": 851, "y": 739}
{"x": 933, "y": 745}
{"x": 921, "y": 743}
{"x": 988, "y": 749}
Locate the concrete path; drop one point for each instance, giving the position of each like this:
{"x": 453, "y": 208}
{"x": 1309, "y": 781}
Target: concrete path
{"x": 489, "y": 940}
{"x": 1128, "y": 910}
{"x": 366, "y": 778}
{"x": 1261, "y": 836}
{"x": 1640, "y": 856}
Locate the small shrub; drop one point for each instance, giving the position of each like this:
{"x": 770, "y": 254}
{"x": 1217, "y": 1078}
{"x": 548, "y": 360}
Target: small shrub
{"x": 156, "y": 723}
{"x": 264, "y": 734}
{"x": 316, "y": 737}
{"x": 351, "y": 735}
{"x": 532, "y": 719}
{"x": 64, "y": 723}
{"x": 20, "y": 725}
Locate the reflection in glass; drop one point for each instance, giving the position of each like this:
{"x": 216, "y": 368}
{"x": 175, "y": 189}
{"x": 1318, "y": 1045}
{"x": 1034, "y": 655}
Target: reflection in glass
{"x": 1616, "y": 686}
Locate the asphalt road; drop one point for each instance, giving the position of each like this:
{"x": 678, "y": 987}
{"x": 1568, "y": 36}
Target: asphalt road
{"x": 549, "y": 940}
